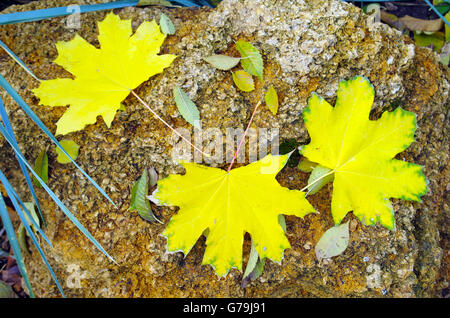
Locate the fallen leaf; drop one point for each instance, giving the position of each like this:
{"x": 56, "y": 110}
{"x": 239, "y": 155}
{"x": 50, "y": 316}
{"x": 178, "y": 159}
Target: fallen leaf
{"x": 271, "y": 99}
{"x": 22, "y": 233}
{"x": 41, "y": 168}
{"x": 252, "y": 260}
{"x": 435, "y": 40}
{"x": 153, "y": 177}
{"x": 333, "y": 242}
{"x": 6, "y": 291}
{"x": 251, "y": 58}
{"x": 415, "y": 24}
{"x": 222, "y": 62}
{"x": 373, "y": 9}
{"x": 243, "y": 80}
{"x": 360, "y": 153}
{"x": 255, "y": 264}
{"x": 392, "y": 20}
{"x": 319, "y": 177}
{"x": 139, "y": 200}
{"x": 166, "y": 24}
{"x": 103, "y": 77}
{"x": 247, "y": 199}
{"x": 306, "y": 166}
{"x": 445, "y": 54}
{"x": 71, "y": 147}
{"x": 187, "y": 107}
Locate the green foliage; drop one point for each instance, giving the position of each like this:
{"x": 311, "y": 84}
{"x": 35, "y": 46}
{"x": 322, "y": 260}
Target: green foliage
{"x": 243, "y": 81}
{"x": 252, "y": 63}
{"x": 222, "y": 62}
{"x": 251, "y": 58}
{"x": 166, "y": 25}
{"x": 41, "y": 168}
{"x": 186, "y": 107}
{"x": 71, "y": 147}
{"x": 333, "y": 242}
{"x": 271, "y": 99}
{"x": 139, "y": 200}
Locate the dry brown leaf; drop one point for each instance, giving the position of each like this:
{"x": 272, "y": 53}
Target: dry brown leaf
{"x": 415, "y": 24}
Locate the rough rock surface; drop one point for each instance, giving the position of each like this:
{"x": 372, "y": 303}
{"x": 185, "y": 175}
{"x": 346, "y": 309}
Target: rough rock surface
{"x": 307, "y": 46}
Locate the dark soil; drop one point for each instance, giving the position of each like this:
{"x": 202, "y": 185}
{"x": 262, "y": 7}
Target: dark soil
{"x": 6, "y": 3}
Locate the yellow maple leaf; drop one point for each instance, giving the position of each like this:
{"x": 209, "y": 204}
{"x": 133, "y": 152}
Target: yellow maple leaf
{"x": 360, "y": 153}
{"x": 103, "y": 77}
{"x": 247, "y": 199}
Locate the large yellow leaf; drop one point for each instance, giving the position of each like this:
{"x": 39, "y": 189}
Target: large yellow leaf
{"x": 360, "y": 153}
{"x": 103, "y": 77}
{"x": 248, "y": 199}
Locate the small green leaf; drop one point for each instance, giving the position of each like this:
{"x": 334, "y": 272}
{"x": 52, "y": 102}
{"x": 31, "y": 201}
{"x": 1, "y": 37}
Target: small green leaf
{"x": 6, "y": 291}
{"x": 252, "y": 260}
{"x": 153, "y": 176}
{"x": 22, "y": 239}
{"x": 271, "y": 99}
{"x": 187, "y": 107}
{"x": 445, "y": 59}
{"x": 166, "y": 25}
{"x": 333, "y": 242}
{"x": 71, "y": 147}
{"x": 243, "y": 80}
{"x": 222, "y": 62}
{"x": 282, "y": 222}
{"x": 306, "y": 166}
{"x": 30, "y": 208}
{"x": 139, "y": 200}
{"x": 437, "y": 40}
{"x": 251, "y": 58}
{"x": 41, "y": 168}
{"x": 22, "y": 233}
{"x": 371, "y": 8}
{"x": 258, "y": 269}
{"x": 319, "y": 178}
{"x": 255, "y": 264}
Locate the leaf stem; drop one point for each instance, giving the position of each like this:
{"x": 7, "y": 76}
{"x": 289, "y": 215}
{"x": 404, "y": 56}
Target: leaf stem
{"x": 168, "y": 125}
{"x": 318, "y": 179}
{"x": 243, "y": 137}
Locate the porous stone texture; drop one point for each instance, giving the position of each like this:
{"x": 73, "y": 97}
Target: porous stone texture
{"x": 306, "y": 46}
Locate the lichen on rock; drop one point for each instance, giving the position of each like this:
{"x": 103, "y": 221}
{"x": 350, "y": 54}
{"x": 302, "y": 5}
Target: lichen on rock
{"x": 306, "y": 46}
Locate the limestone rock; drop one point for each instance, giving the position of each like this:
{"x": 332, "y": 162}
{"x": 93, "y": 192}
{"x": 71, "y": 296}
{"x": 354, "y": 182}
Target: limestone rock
{"x": 307, "y": 46}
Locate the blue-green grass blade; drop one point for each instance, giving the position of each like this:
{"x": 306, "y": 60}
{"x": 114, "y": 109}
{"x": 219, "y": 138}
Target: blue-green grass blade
{"x": 186, "y": 3}
{"x": 8, "y": 127}
{"x": 16, "y": 198}
{"x": 58, "y": 201}
{"x": 205, "y": 3}
{"x": 14, "y": 244}
{"x": 6, "y": 86}
{"x": 18, "y": 60}
{"x": 30, "y": 217}
{"x": 12, "y": 196}
{"x": 36, "y": 15}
